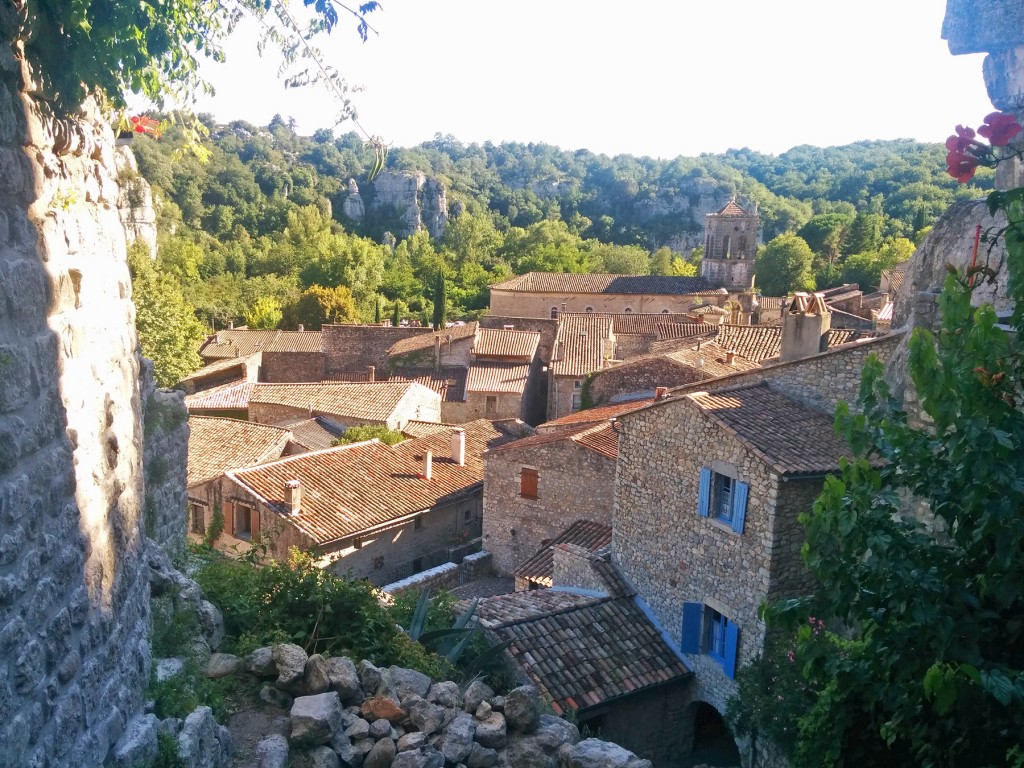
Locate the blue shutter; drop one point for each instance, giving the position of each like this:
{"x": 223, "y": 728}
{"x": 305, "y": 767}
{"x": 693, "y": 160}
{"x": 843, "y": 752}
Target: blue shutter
{"x": 732, "y": 644}
{"x": 692, "y": 615}
{"x": 739, "y": 506}
{"x": 704, "y": 492}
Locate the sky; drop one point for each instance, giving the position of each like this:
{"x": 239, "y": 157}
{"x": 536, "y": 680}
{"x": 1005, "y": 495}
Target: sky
{"x": 649, "y": 77}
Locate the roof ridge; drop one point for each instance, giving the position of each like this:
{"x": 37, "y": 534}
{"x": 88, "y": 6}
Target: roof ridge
{"x": 590, "y": 601}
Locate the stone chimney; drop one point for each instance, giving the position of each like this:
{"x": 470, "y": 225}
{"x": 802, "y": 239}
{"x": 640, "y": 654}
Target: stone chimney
{"x": 805, "y": 327}
{"x": 730, "y": 357}
{"x": 371, "y": 373}
{"x": 459, "y": 446}
{"x": 508, "y": 327}
{"x": 428, "y": 466}
{"x": 660, "y": 393}
{"x": 293, "y": 496}
{"x": 231, "y": 325}
{"x": 302, "y": 327}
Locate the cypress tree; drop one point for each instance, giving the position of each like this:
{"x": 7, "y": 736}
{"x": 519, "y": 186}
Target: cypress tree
{"x": 440, "y": 302}
{"x": 396, "y": 315}
{"x": 376, "y": 311}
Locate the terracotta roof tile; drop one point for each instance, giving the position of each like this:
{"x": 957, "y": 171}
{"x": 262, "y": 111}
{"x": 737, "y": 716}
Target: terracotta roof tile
{"x": 232, "y": 396}
{"x": 353, "y": 488}
{"x": 218, "y": 366}
{"x": 754, "y": 342}
{"x": 218, "y": 445}
{"x": 732, "y": 208}
{"x": 370, "y": 401}
{"x": 791, "y": 437}
{"x": 643, "y": 323}
{"x": 425, "y": 341}
{"x": 592, "y": 415}
{"x": 239, "y": 342}
{"x": 712, "y": 359}
{"x": 297, "y": 341}
{"x": 707, "y": 309}
{"x": 582, "y": 345}
{"x": 895, "y": 277}
{"x": 567, "y": 282}
{"x": 448, "y": 381}
{"x": 314, "y": 434}
{"x": 600, "y": 438}
{"x": 425, "y": 428}
{"x": 773, "y": 302}
{"x": 885, "y": 315}
{"x": 583, "y": 533}
{"x": 581, "y": 651}
{"x": 685, "y": 330}
{"x": 499, "y": 378}
{"x": 497, "y": 342}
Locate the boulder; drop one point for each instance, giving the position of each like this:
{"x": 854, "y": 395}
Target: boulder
{"x": 446, "y": 694}
{"x": 346, "y": 751}
{"x": 594, "y": 753}
{"x": 290, "y": 661}
{"x": 476, "y": 693}
{"x": 413, "y": 740}
{"x": 381, "y": 756}
{"x": 358, "y": 729}
{"x": 168, "y": 668}
{"x": 457, "y": 738}
{"x": 428, "y": 718}
{"x": 323, "y": 757}
{"x": 492, "y": 732}
{"x": 261, "y": 663}
{"x": 426, "y": 757}
{"x": 563, "y": 731}
{"x": 315, "y": 719}
{"x": 369, "y": 677}
{"x": 380, "y": 729}
{"x": 316, "y": 676}
{"x": 383, "y": 706}
{"x": 343, "y": 678}
{"x": 483, "y": 711}
{"x": 275, "y": 697}
{"x": 211, "y": 623}
{"x": 408, "y": 682}
{"x": 481, "y": 757}
{"x": 522, "y": 708}
{"x": 137, "y": 745}
{"x": 272, "y": 752}
{"x": 202, "y": 743}
{"x": 527, "y": 753}
{"x": 222, "y": 665}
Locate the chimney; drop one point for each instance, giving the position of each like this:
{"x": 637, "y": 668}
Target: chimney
{"x": 428, "y": 466}
{"x": 437, "y": 350}
{"x": 459, "y": 447}
{"x": 371, "y": 373}
{"x": 660, "y": 393}
{"x": 508, "y": 327}
{"x": 730, "y": 357}
{"x": 805, "y": 327}
{"x": 302, "y": 327}
{"x": 293, "y": 497}
{"x": 216, "y": 338}
{"x": 231, "y": 325}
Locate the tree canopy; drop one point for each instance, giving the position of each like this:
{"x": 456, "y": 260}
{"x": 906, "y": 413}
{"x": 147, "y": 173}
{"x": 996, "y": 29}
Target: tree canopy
{"x": 784, "y": 265}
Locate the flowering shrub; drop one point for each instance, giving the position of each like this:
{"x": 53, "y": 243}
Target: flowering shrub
{"x": 147, "y": 125}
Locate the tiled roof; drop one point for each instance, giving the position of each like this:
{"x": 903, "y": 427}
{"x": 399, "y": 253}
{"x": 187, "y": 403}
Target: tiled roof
{"x": 228, "y": 397}
{"x": 425, "y": 428}
{"x": 895, "y": 277}
{"x": 685, "y": 330}
{"x": 314, "y": 434}
{"x": 885, "y": 315}
{"x": 218, "y": 445}
{"x": 593, "y": 415}
{"x": 425, "y": 341}
{"x": 583, "y": 533}
{"x": 772, "y": 303}
{"x": 732, "y": 208}
{"x": 791, "y": 437}
{"x": 600, "y": 438}
{"x": 711, "y": 358}
{"x": 239, "y": 342}
{"x": 219, "y": 366}
{"x": 448, "y": 381}
{"x": 352, "y": 488}
{"x": 643, "y": 323}
{"x": 368, "y": 401}
{"x": 494, "y": 342}
{"x": 837, "y": 336}
{"x": 567, "y": 282}
{"x": 754, "y": 342}
{"x": 582, "y": 345}
{"x": 497, "y": 378}
{"x": 581, "y": 651}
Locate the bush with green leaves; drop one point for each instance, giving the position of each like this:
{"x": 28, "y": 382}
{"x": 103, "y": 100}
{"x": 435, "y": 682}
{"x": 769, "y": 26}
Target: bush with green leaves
{"x": 363, "y": 432}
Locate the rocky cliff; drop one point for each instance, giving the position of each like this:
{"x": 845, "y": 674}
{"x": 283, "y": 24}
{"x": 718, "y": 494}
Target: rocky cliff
{"x": 421, "y": 202}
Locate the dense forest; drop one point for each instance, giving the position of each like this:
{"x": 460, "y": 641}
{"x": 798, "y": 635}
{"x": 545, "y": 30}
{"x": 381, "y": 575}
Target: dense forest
{"x": 257, "y": 232}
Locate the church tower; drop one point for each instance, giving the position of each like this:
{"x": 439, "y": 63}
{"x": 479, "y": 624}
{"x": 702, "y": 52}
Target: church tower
{"x": 729, "y": 247}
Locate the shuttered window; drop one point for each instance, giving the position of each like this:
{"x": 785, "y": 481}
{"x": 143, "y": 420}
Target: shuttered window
{"x": 723, "y": 498}
{"x": 528, "y": 483}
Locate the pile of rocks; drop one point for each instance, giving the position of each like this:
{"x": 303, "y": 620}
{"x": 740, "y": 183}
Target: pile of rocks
{"x": 362, "y": 716}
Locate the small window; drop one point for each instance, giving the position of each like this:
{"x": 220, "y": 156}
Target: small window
{"x": 714, "y": 642}
{"x": 705, "y": 630}
{"x": 198, "y": 519}
{"x": 528, "y": 483}
{"x": 577, "y": 401}
{"x": 628, "y": 311}
{"x": 243, "y": 522}
{"x": 664, "y": 311}
{"x": 589, "y": 309}
{"x": 467, "y": 515}
{"x": 418, "y": 524}
{"x": 417, "y": 565}
{"x": 578, "y": 384}
{"x": 491, "y": 407}
{"x": 723, "y": 498}
{"x": 554, "y": 313}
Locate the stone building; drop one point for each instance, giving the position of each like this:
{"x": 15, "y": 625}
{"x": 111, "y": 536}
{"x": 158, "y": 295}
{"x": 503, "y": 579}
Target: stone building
{"x": 548, "y": 294}
{"x": 382, "y": 512}
{"x": 585, "y": 343}
{"x": 530, "y": 485}
{"x": 730, "y": 244}
{"x": 539, "y": 571}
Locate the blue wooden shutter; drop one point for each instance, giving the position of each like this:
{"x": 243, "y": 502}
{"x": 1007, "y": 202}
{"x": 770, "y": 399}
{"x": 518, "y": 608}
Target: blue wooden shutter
{"x": 692, "y": 615}
{"x": 704, "y": 492}
{"x": 739, "y": 506}
{"x": 732, "y": 644}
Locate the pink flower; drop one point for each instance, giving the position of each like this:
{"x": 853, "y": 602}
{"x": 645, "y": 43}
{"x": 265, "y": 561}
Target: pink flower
{"x": 962, "y": 141}
{"x": 961, "y": 165}
{"x": 999, "y": 129}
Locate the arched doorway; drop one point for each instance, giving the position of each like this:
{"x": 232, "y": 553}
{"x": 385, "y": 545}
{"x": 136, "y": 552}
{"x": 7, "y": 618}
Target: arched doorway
{"x": 713, "y": 744}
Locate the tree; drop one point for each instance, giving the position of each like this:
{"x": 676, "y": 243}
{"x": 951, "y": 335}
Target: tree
{"x": 661, "y": 261}
{"x": 784, "y": 265}
{"x": 864, "y": 234}
{"x": 377, "y": 310}
{"x": 265, "y": 312}
{"x": 318, "y": 305}
{"x": 169, "y": 333}
{"x": 440, "y": 302}
{"x": 824, "y": 234}
{"x": 396, "y": 315}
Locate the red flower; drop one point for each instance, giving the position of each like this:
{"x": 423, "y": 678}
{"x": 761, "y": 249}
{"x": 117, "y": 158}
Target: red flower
{"x": 963, "y": 139}
{"x": 961, "y": 165}
{"x": 143, "y": 124}
{"x": 999, "y": 129}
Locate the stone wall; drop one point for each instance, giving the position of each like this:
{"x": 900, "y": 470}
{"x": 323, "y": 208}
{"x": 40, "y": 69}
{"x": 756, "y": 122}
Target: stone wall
{"x": 293, "y": 367}
{"x": 546, "y": 327}
{"x": 355, "y": 347}
{"x": 573, "y": 483}
{"x": 73, "y": 585}
{"x": 506, "y": 406}
{"x": 538, "y": 305}
{"x": 641, "y": 376}
{"x": 165, "y": 459}
{"x": 446, "y": 576}
{"x": 629, "y": 345}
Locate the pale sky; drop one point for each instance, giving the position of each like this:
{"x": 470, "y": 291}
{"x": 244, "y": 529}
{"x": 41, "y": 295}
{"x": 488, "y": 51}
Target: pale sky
{"x": 660, "y": 78}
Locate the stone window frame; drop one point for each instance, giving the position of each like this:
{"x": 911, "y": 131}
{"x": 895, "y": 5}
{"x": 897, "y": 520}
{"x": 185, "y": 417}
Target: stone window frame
{"x": 525, "y": 485}
{"x": 197, "y": 517}
{"x": 554, "y": 313}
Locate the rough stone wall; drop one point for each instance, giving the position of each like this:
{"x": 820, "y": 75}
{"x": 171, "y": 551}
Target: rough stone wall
{"x": 135, "y": 203}
{"x": 355, "y": 347}
{"x": 641, "y": 377}
{"x": 651, "y": 724}
{"x": 538, "y": 305}
{"x": 293, "y": 367}
{"x": 632, "y": 345}
{"x": 73, "y": 585}
{"x": 573, "y": 483}
{"x": 507, "y": 406}
{"x": 446, "y": 576}
{"x": 560, "y": 393}
{"x": 165, "y": 459}
{"x": 674, "y": 556}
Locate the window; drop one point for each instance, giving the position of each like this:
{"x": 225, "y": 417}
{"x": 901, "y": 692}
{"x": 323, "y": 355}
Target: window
{"x": 554, "y": 313}
{"x": 491, "y": 407}
{"x": 707, "y": 631}
{"x": 198, "y": 519}
{"x": 467, "y": 515}
{"x": 528, "y": 483}
{"x": 577, "y": 401}
{"x": 589, "y": 309}
{"x": 628, "y": 311}
{"x": 664, "y": 311}
{"x": 418, "y": 523}
{"x": 417, "y": 565}
{"x": 243, "y": 522}
{"x": 722, "y": 498}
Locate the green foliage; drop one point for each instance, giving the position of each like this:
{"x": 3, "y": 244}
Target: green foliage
{"x": 440, "y": 302}
{"x": 370, "y": 432}
{"x": 318, "y": 305}
{"x": 215, "y": 527}
{"x": 396, "y": 315}
{"x": 264, "y": 313}
{"x": 167, "y": 754}
{"x": 784, "y": 265}
{"x": 169, "y": 332}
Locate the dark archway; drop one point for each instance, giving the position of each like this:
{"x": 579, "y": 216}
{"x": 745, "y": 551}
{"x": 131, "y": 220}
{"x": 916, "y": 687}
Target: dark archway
{"x": 713, "y": 744}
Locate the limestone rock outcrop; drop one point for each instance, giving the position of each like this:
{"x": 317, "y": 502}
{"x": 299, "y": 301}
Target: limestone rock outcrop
{"x": 420, "y": 201}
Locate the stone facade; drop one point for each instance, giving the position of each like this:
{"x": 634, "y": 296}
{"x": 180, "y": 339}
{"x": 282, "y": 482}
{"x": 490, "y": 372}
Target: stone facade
{"x": 729, "y": 246}
{"x": 73, "y": 583}
{"x": 641, "y": 376}
{"x": 356, "y": 347}
{"x": 573, "y": 482}
{"x": 540, "y": 305}
{"x": 546, "y": 327}
{"x": 164, "y": 460}
{"x": 293, "y": 367}
{"x": 446, "y": 576}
